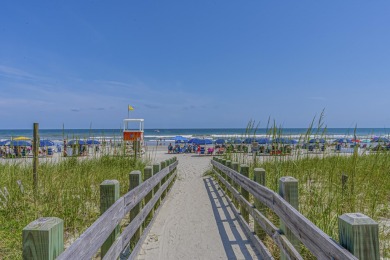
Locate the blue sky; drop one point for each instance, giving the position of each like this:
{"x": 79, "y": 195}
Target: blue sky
{"x": 186, "y": 64}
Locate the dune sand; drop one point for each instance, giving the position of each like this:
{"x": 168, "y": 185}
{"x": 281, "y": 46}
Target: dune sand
{"x": 195, "y": 221}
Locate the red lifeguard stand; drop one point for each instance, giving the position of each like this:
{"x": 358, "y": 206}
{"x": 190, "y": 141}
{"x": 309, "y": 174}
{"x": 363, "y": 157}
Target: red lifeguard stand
{"x": 133, "y": 133}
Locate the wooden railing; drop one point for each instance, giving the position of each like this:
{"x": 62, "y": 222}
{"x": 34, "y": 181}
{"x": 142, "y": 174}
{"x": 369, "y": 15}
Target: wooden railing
{"x": 358, "y": 234}
{"x": 43, "y": 238}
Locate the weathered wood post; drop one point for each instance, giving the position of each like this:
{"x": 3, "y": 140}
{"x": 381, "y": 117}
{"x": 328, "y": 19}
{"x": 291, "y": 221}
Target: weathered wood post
{"x": 359, "y": 235}
{"x": 109, "y": 193}
{"x": 148, "y": 173}
{"x": 259, "y": 177}
{"x": 288, "y": 190}
{"x": 163, "y": 165}
{"x": 43, "y": 239}
{"x": 229, "y": 180}
{"x": 235, "y": 186}
{"x": 35, "y": 150}
{"x": 244, "y": 170}
{"x": 223, "y": 161}
{"x": 135, "y": 180}
{"x": 156, "y": 169}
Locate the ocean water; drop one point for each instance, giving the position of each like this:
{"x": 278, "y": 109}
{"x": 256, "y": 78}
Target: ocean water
{"x": 167, "y": 135}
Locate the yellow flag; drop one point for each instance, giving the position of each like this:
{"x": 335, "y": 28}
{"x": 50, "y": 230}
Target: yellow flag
{"x": 131, "y": 108}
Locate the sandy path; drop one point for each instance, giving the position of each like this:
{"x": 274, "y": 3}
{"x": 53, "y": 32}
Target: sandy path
{"x": 195, "y": 222}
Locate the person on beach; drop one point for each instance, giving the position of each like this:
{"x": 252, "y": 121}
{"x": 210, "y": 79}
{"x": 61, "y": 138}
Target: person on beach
{"x": 170, "y": 148}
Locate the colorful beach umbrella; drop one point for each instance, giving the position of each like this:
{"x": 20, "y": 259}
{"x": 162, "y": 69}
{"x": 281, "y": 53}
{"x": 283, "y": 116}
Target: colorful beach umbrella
{"x": 77, "y": 142}
{"x": 317, "y": 141}
{"x": 5, "y": 142}
{"x": 20, "y": 143}
{"x": 237, "y": 141}
{"x": 263, "y": 140}
{"x": 180, "y": 139}
{"x": 220, "y": 141}
{"x": 21, "y": 138}
{"x": 45, "y": 142}
{"x": 92, "y": 141}
{"x": 281, "y": 140}
{"x": 380, "y": 140}
{"x": 343, "y": 140}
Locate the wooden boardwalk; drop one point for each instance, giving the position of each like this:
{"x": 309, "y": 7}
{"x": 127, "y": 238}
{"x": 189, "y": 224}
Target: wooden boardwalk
{"x": 196, "y": 221}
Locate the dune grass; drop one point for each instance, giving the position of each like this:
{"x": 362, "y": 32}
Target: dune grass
{"x": 68, "y": 190}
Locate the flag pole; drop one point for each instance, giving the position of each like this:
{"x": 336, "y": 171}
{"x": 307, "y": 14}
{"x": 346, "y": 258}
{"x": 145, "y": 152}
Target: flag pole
{"x": 128, "y": 111}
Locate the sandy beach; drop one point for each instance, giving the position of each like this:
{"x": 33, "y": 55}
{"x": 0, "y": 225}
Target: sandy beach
{"x": 195, "y": 221}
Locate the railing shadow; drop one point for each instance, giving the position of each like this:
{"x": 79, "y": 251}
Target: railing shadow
{"x": 235, "y": 243}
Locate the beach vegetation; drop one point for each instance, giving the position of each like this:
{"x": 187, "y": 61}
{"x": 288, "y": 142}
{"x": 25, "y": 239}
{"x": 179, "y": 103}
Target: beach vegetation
{"x": 68, "y": 190}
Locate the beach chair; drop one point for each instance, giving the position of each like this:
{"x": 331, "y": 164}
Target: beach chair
{"x": 202, "y": 150}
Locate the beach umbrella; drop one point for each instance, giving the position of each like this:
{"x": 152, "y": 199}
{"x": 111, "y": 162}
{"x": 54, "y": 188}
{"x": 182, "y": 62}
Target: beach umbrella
{"x": 92, "y": 141}
{"x": 180, "y": 139}
{"x": 281, "y": 140}
{"x": 317, "y": 140}
{"x": 45, "y": 142}
{"x": 293, "y": 141}
{"x": 220, "y": 141}
{"x": 248, "y": 140}
{"x": 263, "y": 140}
{"x": 193, "y": 140}
{"x": 343, "y": 140}
{"x": 20, "y": 143}
{"x": 366, "y": 141}
{"x": 355, "y": 140}
{"x": 203, "y": 141}
{"x": 380, "y": 140}
{"x": 77, "y": 142}
{"x": 21, "y": 138}
{"x": 237, "y": 141}
{"x": 5, "y": 142}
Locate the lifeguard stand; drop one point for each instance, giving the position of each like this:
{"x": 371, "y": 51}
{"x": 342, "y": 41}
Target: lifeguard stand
{"x": 133, "y": 135}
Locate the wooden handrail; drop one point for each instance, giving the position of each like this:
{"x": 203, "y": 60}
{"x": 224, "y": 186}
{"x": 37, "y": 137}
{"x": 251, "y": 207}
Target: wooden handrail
{"x": 317, "y": 241}
{"x": 92, "y": 239}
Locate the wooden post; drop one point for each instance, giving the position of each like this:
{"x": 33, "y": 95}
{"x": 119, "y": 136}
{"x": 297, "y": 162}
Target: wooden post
{"x": 259, "y": 177}
{"x": 43, "y": 239}
{"x": 35, "y": 150}
{"x": 109, "y": 193}
{"x": 288, "y": 190}
{"x": 359, "y": 235}
{"x": 135, "y": 180}
{"x": 244, "y": 170}
{"x": 148, "y": 173}
{"x": 163, "y": 165}
{"x": 235, "y": 168}
{"x": 156, "y": 169}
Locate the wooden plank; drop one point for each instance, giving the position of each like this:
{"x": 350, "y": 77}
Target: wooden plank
{"x": 137, "y": 248}
{"x": 148, "y": 173}
{"x": 129, "y": 231}
{"x": 266, "y": 224}
{"x": 109, "y": 193}
{"x": 43, "y": 239}
{"x": 360, "y": 235}
{"x": 35, "y": 150}
{"x": 319, "y": 243}
{"x": 93, "y": 238}
{"x": 261, "y": 248}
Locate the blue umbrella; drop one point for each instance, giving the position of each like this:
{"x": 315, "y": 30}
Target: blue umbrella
{"x": 91, "y": 141}
{"x": 380, "y": 139}
{"x": 343, "y": 140}
{"x": 5, "y": 142}
{"x": 180, "y": 139}
{"x": 248, "y": 140}
{"x": 263, "y": 140}
{"x": 80, "y": 142}
{"x": 293, "y": 141}
{"x": 45, "y": 142}
{"x": 220, "y": 141}
{"x": 317, "y": 140}
{"x": 281, "y": 140}
{"x": 20, "y": 143}
{"x": 193, "y": 140}
{"x": 237, "y": 141}
{"x": 203, "y": 141}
